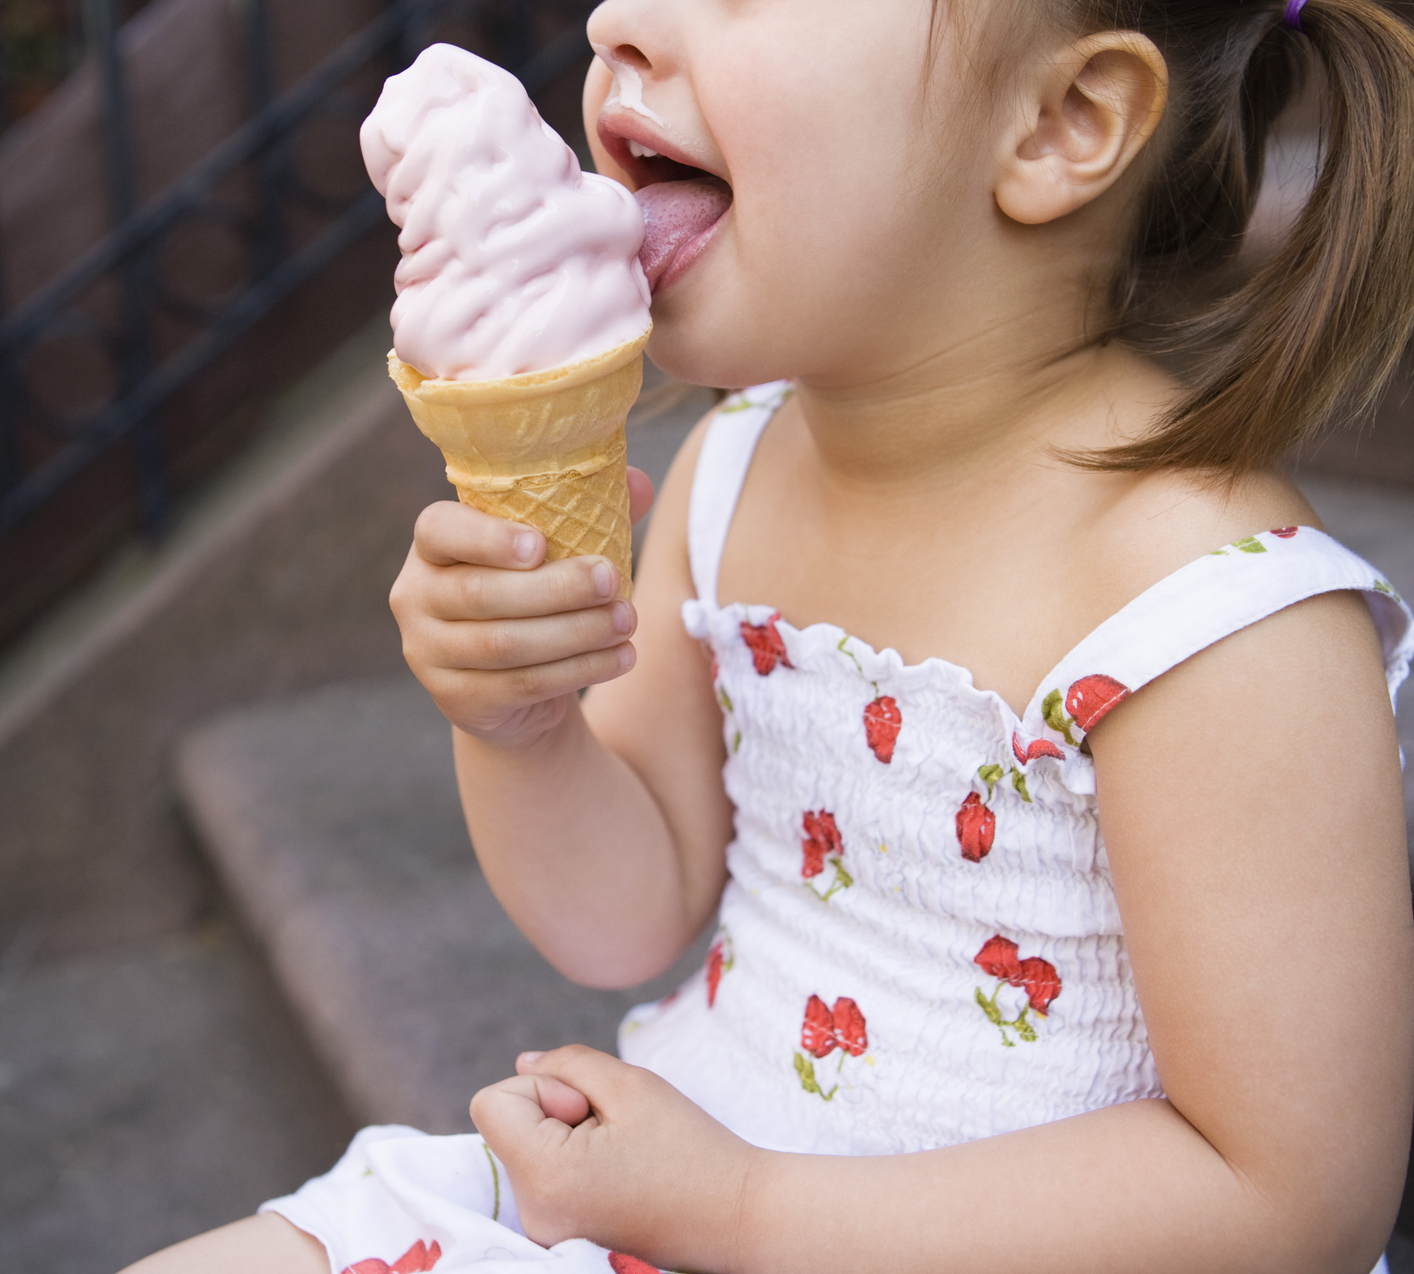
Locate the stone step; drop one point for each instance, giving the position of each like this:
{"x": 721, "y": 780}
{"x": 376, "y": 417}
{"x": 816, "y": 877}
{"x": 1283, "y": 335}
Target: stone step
{"x": 334, "y": 823}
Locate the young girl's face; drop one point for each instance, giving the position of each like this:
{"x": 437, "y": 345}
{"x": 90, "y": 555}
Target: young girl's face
{"x": 858, "y": 176}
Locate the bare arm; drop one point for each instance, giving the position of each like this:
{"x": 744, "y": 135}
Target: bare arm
{"x": 600, "y": 827}
{"x": 1251, "y": 812}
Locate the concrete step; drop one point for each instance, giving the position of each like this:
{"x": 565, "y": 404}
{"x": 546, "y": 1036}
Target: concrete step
{"x": 148, "y": 1092}
{"x": 334, "y": 822}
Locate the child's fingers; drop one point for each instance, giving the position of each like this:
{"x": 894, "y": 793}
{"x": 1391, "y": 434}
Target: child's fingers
{"x": 519, "y": 643}
{"x": 640, "y": 494}
{"x": 509, "y": 1112}
{"x": 600, "y": 1076}
{"x": 479, "y": 592}
{"x": 559, "y": 1101}
{"x": 447, "y": 533}
{"x": 493, "y": 694}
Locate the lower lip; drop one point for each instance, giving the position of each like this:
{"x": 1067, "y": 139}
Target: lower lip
{"x": 687, "y": 254}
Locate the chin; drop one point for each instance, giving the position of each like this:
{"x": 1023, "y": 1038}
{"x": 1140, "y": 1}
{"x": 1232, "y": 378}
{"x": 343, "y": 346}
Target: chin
{"x": 711, "y": 344}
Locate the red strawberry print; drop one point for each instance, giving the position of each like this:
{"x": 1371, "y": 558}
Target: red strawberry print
{"x": 1285, "y": 532}
{"x": 976, "y": 828}
{"x": 1041, "y": 981}
{"x": 825, "y": 1030}
{"x": 998, "y": 957}
{"x": 817, "y": 1035}
{"x": 822, "y": 838}
{"x": 416, "y": 1260}
{"x": 768, "y": 647}
{"x": 1039, "y": 977}
{"x": 714, "y": 970}
{"x": 622, "y": 1263}
{"x": 1092, "y": 697}
{"x": 849, "y": 1027}
{"x": 719, "y": 961}
{"x": 1037, "y": 747}
{"x": 882, "y": 722}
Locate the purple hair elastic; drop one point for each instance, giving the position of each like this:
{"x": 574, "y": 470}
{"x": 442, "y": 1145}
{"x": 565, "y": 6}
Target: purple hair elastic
{"x": 1292, "y": 16}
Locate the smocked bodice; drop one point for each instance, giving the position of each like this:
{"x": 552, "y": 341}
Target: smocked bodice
{"x": 919, "y": 942}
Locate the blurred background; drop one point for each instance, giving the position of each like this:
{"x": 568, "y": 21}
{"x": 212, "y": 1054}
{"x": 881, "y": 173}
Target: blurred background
{"x": 239, "y": 916}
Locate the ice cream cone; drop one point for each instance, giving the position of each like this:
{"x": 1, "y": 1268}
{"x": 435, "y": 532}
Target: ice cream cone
{"x": 544, "y": 448}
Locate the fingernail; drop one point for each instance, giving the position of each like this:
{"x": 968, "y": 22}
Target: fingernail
{"x": 603, "y": 579}
{"x": 623, "y": 618}
{"x": 526, "y": 544}
{"x": 627, "y": 656}
{"x": 530, "y": 1058}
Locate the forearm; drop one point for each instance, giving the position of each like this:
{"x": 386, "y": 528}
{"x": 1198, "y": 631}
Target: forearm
{"x": 578, "y": 852}
{"x": 1119, "y": 1190}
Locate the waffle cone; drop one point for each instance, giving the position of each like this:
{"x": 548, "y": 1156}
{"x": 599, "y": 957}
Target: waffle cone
{"x": 543, "y": 448}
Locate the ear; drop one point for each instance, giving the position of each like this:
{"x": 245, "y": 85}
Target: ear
{"x": 1080, "y": 125}
{"x": 598, "y": 84}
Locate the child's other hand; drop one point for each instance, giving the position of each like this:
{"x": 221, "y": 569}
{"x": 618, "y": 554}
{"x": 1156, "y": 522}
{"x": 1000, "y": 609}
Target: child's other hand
{"x": 601, "y": 1150}
{"x": 501, "y": 638}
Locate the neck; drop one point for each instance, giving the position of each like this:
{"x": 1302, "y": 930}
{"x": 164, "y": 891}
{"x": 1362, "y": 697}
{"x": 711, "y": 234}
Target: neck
{"x": 971, "y": 411}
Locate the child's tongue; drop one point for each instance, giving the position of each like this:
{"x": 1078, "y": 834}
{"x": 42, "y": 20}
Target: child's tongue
{"x": 675, "y": 214}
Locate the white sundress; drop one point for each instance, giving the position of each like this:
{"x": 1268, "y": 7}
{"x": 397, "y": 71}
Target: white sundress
{"x": 919, "y": 942}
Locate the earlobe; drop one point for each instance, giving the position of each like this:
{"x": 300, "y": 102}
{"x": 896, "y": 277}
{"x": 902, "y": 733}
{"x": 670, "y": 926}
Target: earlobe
{"x": 1082, "y": 124}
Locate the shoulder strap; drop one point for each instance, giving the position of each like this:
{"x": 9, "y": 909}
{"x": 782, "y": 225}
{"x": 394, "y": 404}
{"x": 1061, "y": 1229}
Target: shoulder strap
{"x": 727, "y": 449}
{"x": 1201, "y": 603}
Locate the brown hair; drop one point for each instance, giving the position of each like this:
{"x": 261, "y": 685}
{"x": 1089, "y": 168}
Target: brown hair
{"x": 1316, "y": 331}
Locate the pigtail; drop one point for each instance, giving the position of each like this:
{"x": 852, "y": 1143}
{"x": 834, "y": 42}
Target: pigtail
{"x": 1317, "y": 331}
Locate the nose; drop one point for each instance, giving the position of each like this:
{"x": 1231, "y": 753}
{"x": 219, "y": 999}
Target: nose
{"x": 630, "y": 33}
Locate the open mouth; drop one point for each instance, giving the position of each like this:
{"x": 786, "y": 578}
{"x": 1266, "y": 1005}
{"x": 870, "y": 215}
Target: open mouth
{"x": 683, "y": 206}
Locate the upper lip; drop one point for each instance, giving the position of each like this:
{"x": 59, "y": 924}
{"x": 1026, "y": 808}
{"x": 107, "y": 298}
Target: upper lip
{"x": 618, "y": 128}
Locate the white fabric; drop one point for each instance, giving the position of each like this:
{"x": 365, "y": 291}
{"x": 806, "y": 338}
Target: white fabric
{"x": 919, "y": 939}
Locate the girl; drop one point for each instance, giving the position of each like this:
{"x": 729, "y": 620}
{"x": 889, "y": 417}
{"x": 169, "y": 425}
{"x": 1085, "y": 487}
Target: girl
{"x": 1049, "y": 801}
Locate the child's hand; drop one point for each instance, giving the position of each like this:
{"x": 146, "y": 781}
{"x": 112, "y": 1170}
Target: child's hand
{"x": 601, "y": 1150}
{"x": 501, "y": 638}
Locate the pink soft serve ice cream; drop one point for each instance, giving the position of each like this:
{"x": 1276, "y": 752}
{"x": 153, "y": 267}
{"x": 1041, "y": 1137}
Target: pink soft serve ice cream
{"x": 514, "y": 259}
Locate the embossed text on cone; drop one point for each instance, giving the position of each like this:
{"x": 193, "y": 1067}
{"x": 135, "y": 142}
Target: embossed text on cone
{"x": 544, "y": 448}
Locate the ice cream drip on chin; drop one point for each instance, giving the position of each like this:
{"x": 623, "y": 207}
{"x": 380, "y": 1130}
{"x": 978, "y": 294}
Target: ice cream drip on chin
{"x": 514, "y": 260}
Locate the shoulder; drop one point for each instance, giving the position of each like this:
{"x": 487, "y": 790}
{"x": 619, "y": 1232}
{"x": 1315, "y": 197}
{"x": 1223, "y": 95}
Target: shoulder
{"x": 1157, "y": 523}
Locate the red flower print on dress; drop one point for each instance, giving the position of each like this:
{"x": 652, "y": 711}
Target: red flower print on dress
{"x": 416, "y": 1260}
{"x": 998, "y": 957}
{"x": 1041, "y": 981}
{"x": 720, "y": 959}
{"x": 976, "y": 828}
{"x": 768, "y": 647}
{"x": 823, "y": 844}
{"x": 883, "y": 718}
{"x": 1092, "y": 697}
{"x": 1285, "y": 532}
{"x": 622, "y": 1263}
{"x": 882, "y": 722}
{"x": 825, "y": 1030}
{"x": 850, "y": 1027}
{"x": 1037, "y": 747}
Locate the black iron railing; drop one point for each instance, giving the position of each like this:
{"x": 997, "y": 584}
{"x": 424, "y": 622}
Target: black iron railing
{"x": 129, "y": 255}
